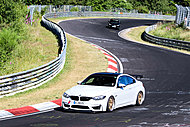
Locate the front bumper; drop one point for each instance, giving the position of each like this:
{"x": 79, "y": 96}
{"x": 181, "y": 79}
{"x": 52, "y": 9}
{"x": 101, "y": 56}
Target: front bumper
{"x": 92, "y": 105}
{"x": 114, "y": 26}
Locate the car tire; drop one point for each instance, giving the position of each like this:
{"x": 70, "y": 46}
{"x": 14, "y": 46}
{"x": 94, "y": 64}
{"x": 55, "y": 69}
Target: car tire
{"x": 110, "y": 104}
{"x": 139, "y": 100}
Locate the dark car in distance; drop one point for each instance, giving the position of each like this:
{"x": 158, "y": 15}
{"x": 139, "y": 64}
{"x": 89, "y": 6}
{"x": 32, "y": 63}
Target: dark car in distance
{"x": 114, "y": 23}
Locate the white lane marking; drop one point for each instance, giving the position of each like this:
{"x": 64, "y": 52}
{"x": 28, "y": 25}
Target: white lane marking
{"x": 168, "y": 92}
{"x": 96, "y": 38}
{"x": 87, "y": 21}
{"x": 124, "y": 60}
{"x": 147, "y": 79}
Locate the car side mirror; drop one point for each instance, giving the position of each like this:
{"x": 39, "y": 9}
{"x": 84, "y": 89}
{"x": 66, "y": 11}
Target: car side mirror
{"x": 79, "y": 82}
{"x": 121, "y": 85}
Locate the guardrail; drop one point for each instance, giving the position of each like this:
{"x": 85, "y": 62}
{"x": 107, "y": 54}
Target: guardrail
{"x": 165, "y": 41}
{"x": 22, "y": 81}
{"x": 109, "y": 14}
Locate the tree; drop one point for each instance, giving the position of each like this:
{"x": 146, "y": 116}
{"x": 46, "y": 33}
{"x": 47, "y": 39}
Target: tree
{"x": 185, "y": 3}
{"x": 153, "y": 5}
{"x": 102, "y": 5}
{"x": 121, "y": 4}
{"x": 96, "y": 5}
{"x": 11, "y": 11}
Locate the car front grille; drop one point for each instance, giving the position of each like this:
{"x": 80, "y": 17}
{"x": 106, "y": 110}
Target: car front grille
{"x": 85, "y": 98}
{"x": 80, "y": 106}
{"x": 77, "y": 98}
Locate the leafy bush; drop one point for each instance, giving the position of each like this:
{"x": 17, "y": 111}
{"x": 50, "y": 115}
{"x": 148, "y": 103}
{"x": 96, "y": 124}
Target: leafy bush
{"x": 142, "y": 9}
{"x": 74, "y": 9}
{"x": 8, "y": 41}
{"x": 13, "y": 28}
{"x": 43, "y": 10}
{"x": 12, "y": 16}
{"x": 11, "y": 11}
{"x": 172, "y": 31}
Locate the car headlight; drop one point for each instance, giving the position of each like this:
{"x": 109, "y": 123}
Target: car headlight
{"x": 65, "y": 95}
{"x": 99, "y": 97}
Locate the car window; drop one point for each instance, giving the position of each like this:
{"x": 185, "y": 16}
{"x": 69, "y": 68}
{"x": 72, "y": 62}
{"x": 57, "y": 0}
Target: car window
{"x": 90, "y": 81}
{"x": 125, "y": 80}
{"x": 115, "y": 21}
{"x": 122, "y": 80}
{"x": 130, "y": 80}
{"x": 100, "y": 80}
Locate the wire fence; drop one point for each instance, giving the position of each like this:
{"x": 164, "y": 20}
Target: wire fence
{"x": 77, "y": 11}
{"x": 183, "y": 15}
{"x": 109, "y": 14}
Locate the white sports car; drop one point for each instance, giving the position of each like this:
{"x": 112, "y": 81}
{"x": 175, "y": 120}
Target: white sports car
{"x": 104, "y": 92}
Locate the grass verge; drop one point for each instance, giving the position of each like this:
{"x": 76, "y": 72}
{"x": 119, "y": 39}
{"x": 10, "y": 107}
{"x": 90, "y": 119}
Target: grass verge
{"x": 172, "y": 31}
{"x": 135, "y": 35}
{"x": 82, "y": 60}
{"x": 40, "y": 48}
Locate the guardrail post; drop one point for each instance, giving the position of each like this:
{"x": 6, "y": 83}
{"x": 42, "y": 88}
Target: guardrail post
{"x": 188, "y": 16}
{"x": 31, "y": 13}
{"x": 183, "y": 15}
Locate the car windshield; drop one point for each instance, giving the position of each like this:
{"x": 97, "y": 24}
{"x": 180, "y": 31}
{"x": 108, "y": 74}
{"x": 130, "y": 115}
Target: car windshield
{"x": 100, "y": 80}
{"x": 114, "y": 21}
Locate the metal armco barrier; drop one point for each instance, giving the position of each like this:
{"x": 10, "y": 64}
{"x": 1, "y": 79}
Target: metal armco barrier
{"x": 22, "y": 81}
{"x": 164, "y": 41}
{"x": 109, "y": 14}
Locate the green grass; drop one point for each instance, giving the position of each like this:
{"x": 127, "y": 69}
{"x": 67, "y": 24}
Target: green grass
{"x": 40, "y": 48}
{"x": 135, "y": 35}
{"x": 172, "y": 31}
{"x": 82, "y": 59}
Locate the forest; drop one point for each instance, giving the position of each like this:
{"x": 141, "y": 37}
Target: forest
{"x": 143, "y": 6}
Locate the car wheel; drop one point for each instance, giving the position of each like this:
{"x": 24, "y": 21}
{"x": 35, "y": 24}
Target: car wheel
{"x": 139, "y": 100}
{"x": 110, "y": 104}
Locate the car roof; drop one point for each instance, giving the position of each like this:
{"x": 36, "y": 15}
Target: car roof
{"x": 117, "y": 74}
{"x": 114, "y": 19}
{"x": 106, "y": 73}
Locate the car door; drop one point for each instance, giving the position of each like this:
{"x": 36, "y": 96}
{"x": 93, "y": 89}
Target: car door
{"x": 125, "y": 94}
{"x": 130, "y": 89}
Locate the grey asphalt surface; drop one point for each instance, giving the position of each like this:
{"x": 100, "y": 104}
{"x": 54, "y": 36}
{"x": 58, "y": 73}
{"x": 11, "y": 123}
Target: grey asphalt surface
{"x": 166, "y": 79}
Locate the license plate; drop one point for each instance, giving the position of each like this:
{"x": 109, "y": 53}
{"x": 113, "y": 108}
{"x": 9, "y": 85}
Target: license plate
{"x": 78, "y": 102}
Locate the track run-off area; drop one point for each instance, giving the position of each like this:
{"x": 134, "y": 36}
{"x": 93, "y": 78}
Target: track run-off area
{"x": 166, "y": 79}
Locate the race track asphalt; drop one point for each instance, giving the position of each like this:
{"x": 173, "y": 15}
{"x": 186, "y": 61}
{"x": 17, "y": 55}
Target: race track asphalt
{"x": 166, "y": 79}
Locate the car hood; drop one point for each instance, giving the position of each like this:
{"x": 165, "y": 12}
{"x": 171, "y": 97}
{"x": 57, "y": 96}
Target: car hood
{"x": 90, "y": 91}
